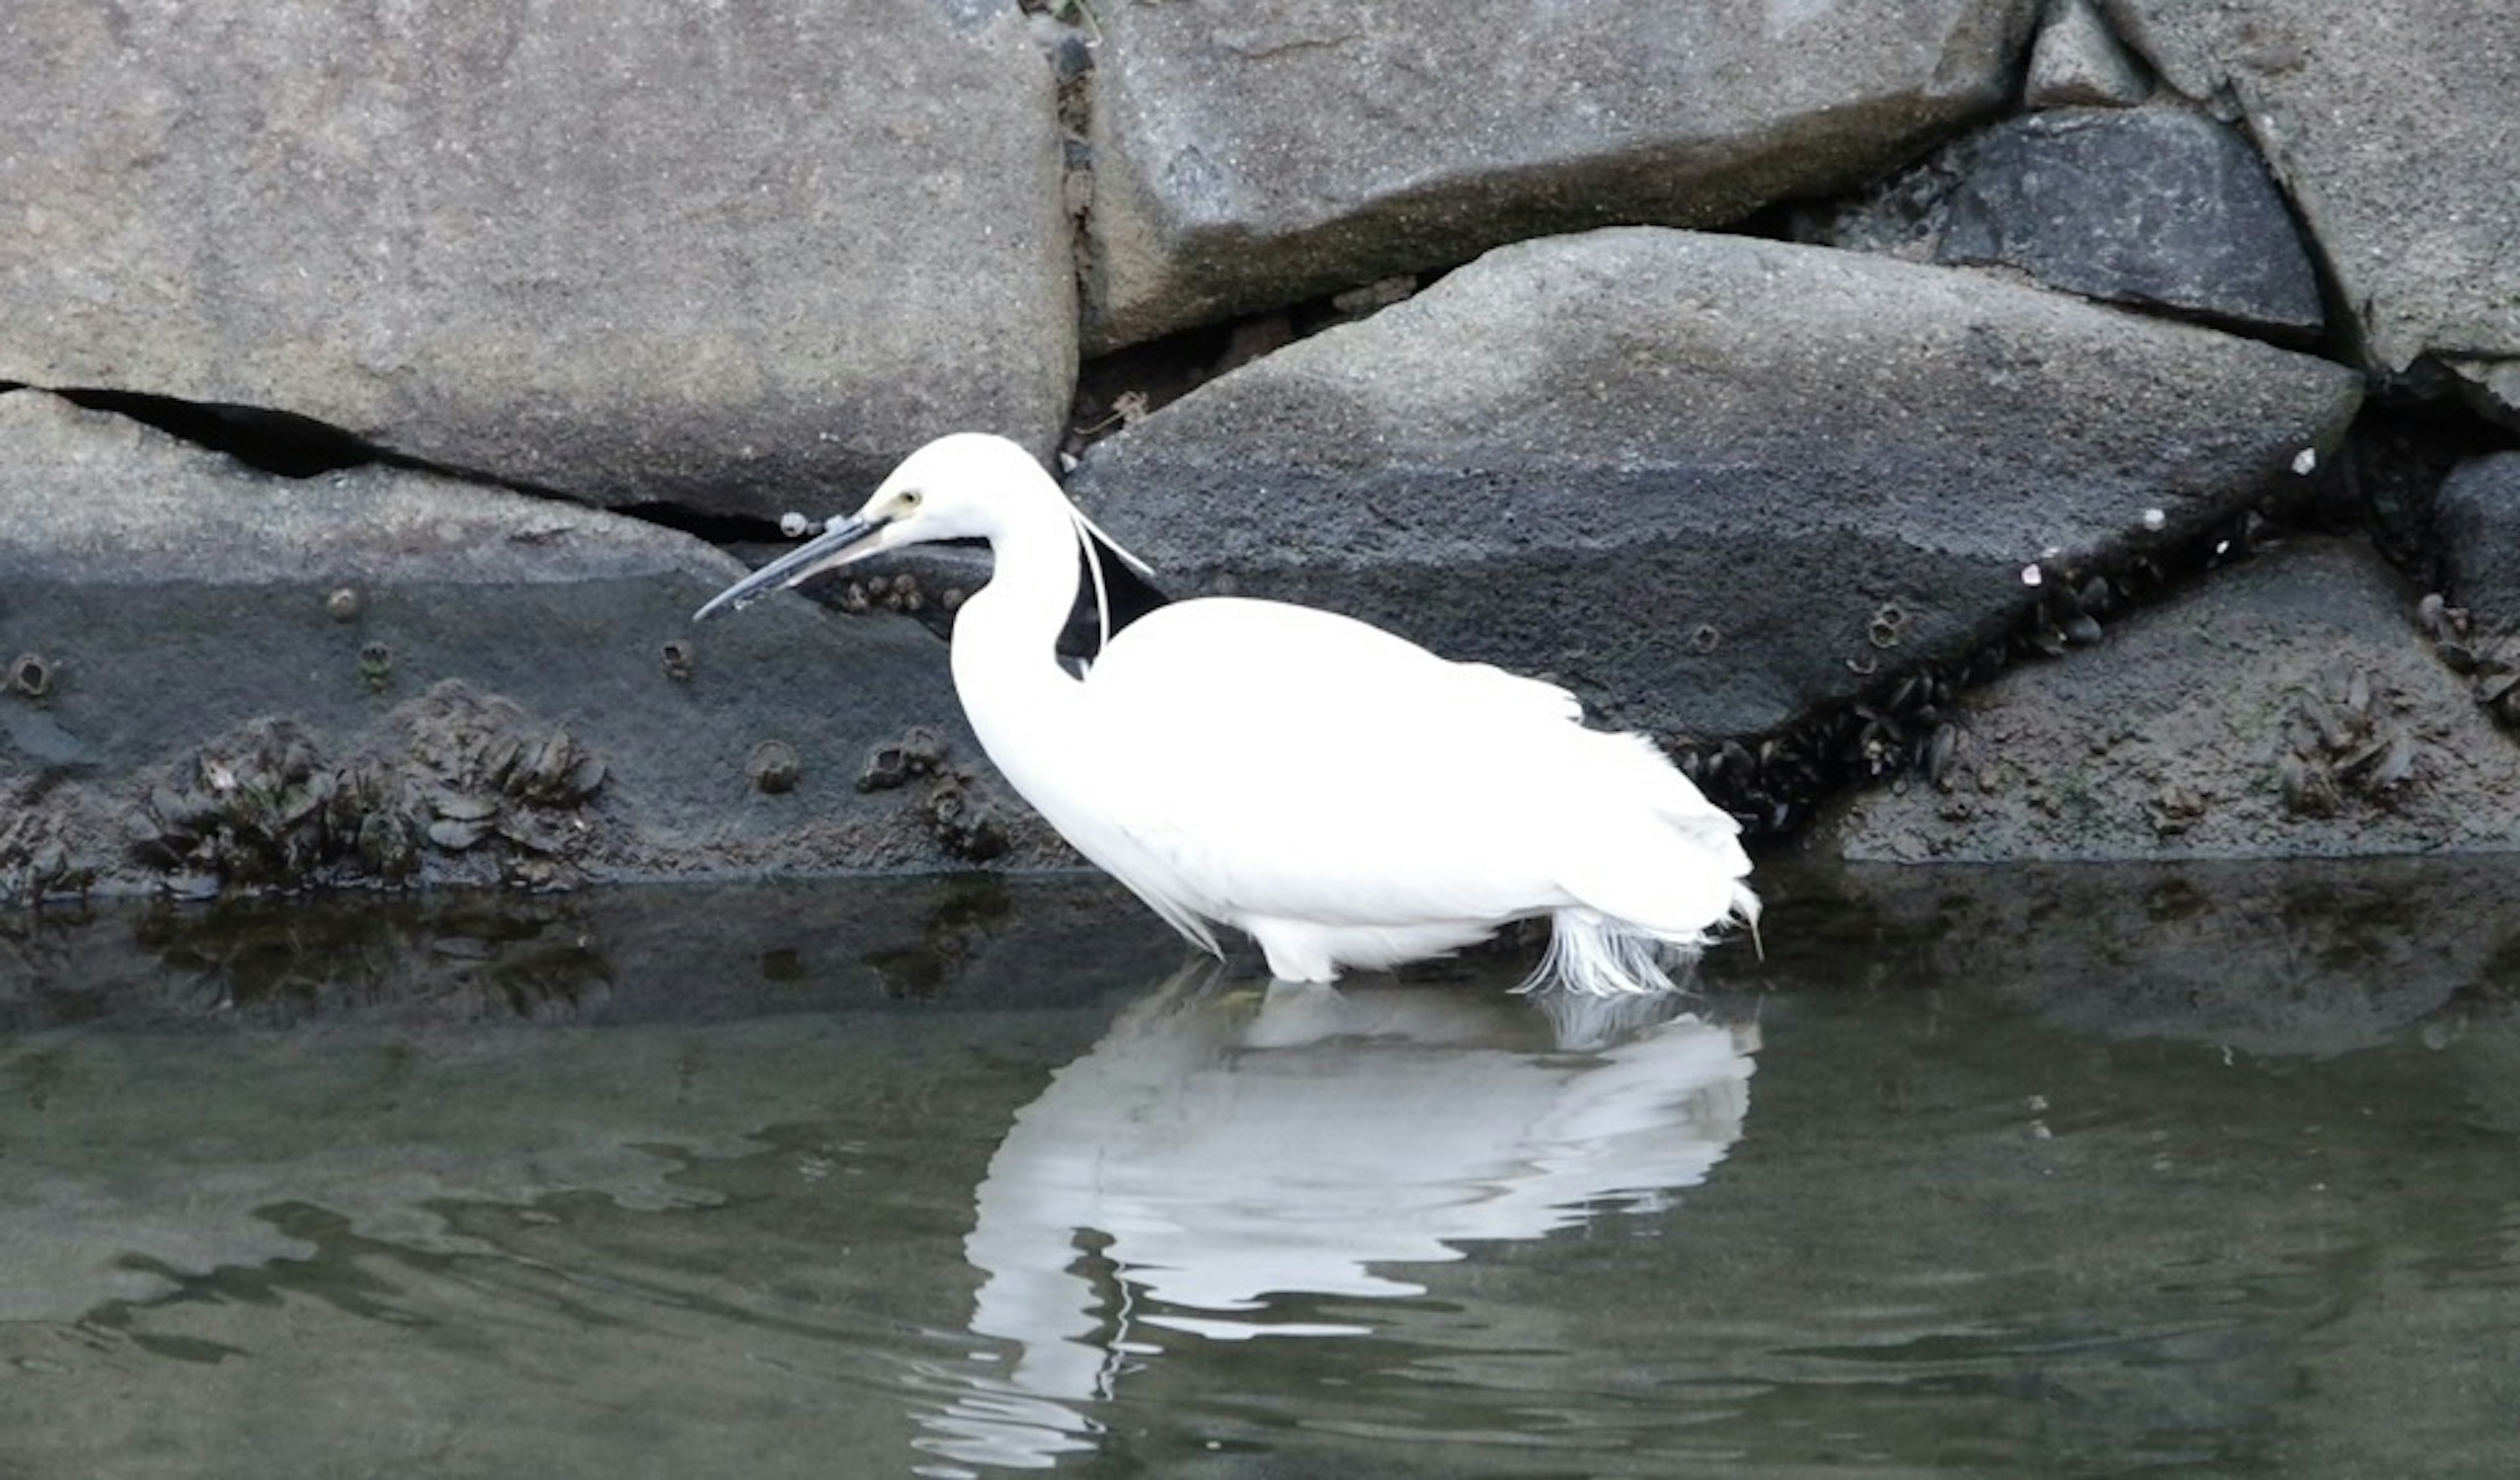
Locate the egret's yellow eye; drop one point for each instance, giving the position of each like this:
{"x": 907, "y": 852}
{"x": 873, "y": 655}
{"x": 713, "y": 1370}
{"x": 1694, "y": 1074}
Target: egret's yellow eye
{"x": 907, "y": 501}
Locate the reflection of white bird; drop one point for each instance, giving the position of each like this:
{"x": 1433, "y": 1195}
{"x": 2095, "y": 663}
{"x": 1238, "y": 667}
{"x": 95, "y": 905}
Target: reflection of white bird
{"x": 1342, "y": 795}
{"x": 1225, "y": 1155}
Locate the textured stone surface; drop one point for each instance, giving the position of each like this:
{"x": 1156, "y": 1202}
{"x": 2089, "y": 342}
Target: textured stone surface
{"x": 2392, "y": 127}
{"x": 615, "y": 251}
{"x": 196, "y": 621}
{"x": 2288, "y": 707}
{"x": 1708, "y": 481}
{"x": 2155, "y": 207}
{"x": 1248, "y": 154}
{"x": 2077, "y": 63}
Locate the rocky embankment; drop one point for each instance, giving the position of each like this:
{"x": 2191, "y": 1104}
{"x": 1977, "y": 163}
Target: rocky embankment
{"x": 1970, "y": 429}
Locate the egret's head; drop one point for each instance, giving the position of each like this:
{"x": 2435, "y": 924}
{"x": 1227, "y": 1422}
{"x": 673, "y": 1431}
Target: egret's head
{"x": 956, "y": 487}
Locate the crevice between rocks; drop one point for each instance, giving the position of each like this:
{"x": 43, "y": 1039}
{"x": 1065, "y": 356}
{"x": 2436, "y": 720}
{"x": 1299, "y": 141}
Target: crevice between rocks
{"x": 1116, "y": 389}
{"x": 287, "y": 445}
{"x": 278, "y": 443}
{"x": 1902, "y": 729}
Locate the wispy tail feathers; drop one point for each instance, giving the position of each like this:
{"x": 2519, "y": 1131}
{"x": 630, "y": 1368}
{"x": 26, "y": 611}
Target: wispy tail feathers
{"x": 1657, "y": 870}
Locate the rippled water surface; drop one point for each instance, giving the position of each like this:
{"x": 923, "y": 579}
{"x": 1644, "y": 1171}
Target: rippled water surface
{"x": 2073, "y": 1172}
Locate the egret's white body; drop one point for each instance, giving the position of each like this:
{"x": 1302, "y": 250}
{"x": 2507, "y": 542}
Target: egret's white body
{"x": 1340, "y": 795}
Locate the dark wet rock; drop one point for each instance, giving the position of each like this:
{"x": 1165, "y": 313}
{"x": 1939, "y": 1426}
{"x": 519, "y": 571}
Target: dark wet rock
{"x": 608, "y": 956}
{"x": 628, "y": 252}
{"x": 2155, "y": 207}
{"x": 1710, "y": 482}
{"x": 2159, "y": 207}
{"x": 1249, "y": 156}
{"x": 2288, "y": 707}
{"x": 2476, "y": 528}
{"x": 211, "y": 719}
{"x": 2076, "y": 62}
{"x": 2393, "y": 127}
{"x": 2284, "y": 957}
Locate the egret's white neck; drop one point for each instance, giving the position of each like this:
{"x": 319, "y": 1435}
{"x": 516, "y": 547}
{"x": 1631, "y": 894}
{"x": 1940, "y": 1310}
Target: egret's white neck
{"x": 1006, "y": 637}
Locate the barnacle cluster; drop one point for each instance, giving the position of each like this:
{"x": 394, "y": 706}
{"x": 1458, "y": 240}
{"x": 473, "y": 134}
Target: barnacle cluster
{"x": 774, "y": 768}
{"x": 900, "y": 592}
{"x": 897, "y": 763}
{"x": 680, "y": 657}
{"x": 30, "y": 676}
{"x": 961, "y": 815}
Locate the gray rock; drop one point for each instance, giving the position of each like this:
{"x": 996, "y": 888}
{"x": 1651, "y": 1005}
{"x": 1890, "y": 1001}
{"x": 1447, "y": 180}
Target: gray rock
{"x": 2288, "y": 707}
{"x": 2476, "y": 536}
{"x": 219, "y": 677}
{"x": 2392, "y": 127}
{"x": 1250, "y": 155}
{"x": 610, "y": 250}
{"x": 2077, "y": 63}
{"x": 1711, "y": 482}
{"x": 2155, "y": 207}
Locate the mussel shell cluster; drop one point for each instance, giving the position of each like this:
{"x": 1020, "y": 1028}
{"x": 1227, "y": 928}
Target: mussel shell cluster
{"x": 2342, "y": 741}
{"x": 35, "y": 863}
{"x": 1904, "y": 728}
{"x": 2490, "y": 664}
{"x": 262, "y": 807}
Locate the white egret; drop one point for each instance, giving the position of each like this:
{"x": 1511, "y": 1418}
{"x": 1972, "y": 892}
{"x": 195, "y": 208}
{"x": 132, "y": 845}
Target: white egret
{"x": 1342, "y": 795}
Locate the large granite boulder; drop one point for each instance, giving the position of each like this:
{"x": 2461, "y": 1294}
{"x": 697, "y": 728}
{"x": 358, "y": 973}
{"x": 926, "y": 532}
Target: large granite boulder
{"x": 611, "y": 250}
{"x": 220, "y": 678}
{"x": 2392, "y": 127}
{"x": 1710, "y": 482}
{"x": 2288, "y": 707}
{"x": 1252, "y": 155}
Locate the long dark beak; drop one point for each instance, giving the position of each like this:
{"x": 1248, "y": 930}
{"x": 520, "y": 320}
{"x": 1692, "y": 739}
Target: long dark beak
{"x": 844, "y": 541}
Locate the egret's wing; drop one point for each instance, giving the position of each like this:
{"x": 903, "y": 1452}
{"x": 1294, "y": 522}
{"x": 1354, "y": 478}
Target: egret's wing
{"x": 1276, "y": 760}
{"x": 1301, "y": 663}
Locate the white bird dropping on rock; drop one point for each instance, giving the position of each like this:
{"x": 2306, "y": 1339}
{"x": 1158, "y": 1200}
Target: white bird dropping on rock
{"x": 2306, "y": 460}
{"x": 1343, "y": 797}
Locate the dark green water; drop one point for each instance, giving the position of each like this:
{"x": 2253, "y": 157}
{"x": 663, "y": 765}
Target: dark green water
{"x": 2076, "y": 1172}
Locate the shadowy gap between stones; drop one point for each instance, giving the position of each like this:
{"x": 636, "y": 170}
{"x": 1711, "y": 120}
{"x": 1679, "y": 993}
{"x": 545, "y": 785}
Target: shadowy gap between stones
{"x": 1904, "y": 728}
{"x": 284, "y": 444}
{"x": 1114, "y": 391}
